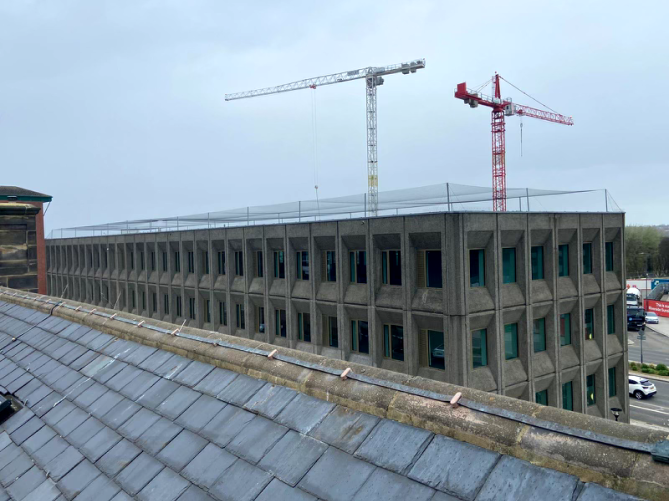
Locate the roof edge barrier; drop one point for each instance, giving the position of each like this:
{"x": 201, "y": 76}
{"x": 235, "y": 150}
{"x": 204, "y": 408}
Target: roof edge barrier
{"x": 625, "y": 463}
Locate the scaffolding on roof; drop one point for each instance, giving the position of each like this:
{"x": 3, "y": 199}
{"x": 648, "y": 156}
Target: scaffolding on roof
{"x": 445, "y": 197}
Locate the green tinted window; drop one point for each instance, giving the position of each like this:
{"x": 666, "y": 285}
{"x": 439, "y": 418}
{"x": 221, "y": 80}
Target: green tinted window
{"x": 509, "y": 265}
{"x": 537, "y": 263}
{"x": 539, "y": 335}
{"x": 511, "y": 341}
{"x": 480, "y": 348}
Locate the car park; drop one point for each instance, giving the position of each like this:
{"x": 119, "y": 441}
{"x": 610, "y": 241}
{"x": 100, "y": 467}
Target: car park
{"x": 640, "y": 387}
{"x": 652, "y": 318}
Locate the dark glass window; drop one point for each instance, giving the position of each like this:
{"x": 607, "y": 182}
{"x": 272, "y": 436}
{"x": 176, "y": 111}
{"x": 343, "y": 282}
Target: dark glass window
{"x": 480, "y": 348}
{"x": 563, "y": 260}
{"x": 612, "y": 381}
{"x": 609, "y": 256}
{"x": 191, "y": 308}
{"x": 205, "y": 262}
{"x": 280, "y": 323}
{"x": 436, "y": 353}
{"x": 477, "y": 268}
{"x": 279, "y": 265}
{"x": 141, "y": 260}
{"x": 537, "y": 263}
{"x": 358, "y": 263}
{"x": 333, "y": 335}
{"x": 568, "y": 396}
{"x": 590, "y": 394}
{"x": 153, "y": 261}
{"x": 589, "y": 324}
{"x": 541, "y": 397}
{"x": 164, "y": 261}
{"x": 154, "y": 302}
{"x": 539, "y": 334}
{"x": 177, "y": 262}
{"x": 511, "y": 341}
{"x": 241, "y": 317}
{"x": 166, "y": 304}
{"x": 222, "y": 313}
{"x": 587, "y": 258}
{"x": 259, "y": 264}
{"x": 304, "y": 327}
{"x": 260, "y": 319}
{"x": 509, "y": 265}
{"x": 191, "y": 262}
{"x": 221, "y": 262}
{"x": 359, "y": 336}
{"x": 433, "y": 271}
{"x": 393, "y": 342}
{"x": 610, "y": 319}
{"x": 178, "y": 300}
{"x": 565, "y": 329}
{"x": 207, "y": 311}
{"x": 302, "y": 265}
{"x": 391, "y": 267}
{"x": 330, "y": 267}
{"x": 239, "y": 263}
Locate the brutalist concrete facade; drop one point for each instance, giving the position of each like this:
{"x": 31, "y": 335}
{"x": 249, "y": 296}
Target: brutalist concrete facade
{"x": 163, "y": 275}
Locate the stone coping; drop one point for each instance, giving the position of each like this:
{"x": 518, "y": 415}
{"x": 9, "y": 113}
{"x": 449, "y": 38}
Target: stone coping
{"x": 624, "y": 470}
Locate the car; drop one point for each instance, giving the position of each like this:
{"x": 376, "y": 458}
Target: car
{"x": 636, "y": 319}
{"x": 652, "y": 318}
{"x": 640, "y": 387}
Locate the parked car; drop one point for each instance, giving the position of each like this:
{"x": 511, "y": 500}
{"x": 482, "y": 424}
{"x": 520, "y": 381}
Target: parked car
{"x": 652, "y": 318}
{"x": 640, "y": 387}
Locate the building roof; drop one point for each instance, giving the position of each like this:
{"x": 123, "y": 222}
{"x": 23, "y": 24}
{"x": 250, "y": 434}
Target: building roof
{"x": 22, "y": 195}
{"x": 105, "y": 418}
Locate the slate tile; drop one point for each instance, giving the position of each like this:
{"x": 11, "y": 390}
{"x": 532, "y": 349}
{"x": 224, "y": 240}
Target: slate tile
{"x": 100, "y": 489}
{"x": 155, "y": 360}
{"x": 26, "y": 483}
{"x": 324, "y": 480}
{"x": 200, "y": 413}
{"x": 78, "y": 333}
{"x": 117, "y": 348}
{"x": 90, "y": 396}
{"x": 87, "y": 430}
{"x": 70, "y": 422}
{"x": 138, "y": 355}
{"x": 440, "y": 496}
{"x": 134, "y": 477}
{"x": 71, "y": 379}
{"x": 394, "y": 445}
{"x": 58, "y": 411}
{"x": 344, "y": 428}
{"x": 105, "y": 403}
{"x": 20, "y": 382}
{"x": 226, "y": 425}
{"x": 256, "y": 438}
{"x": 50, "y": 450}
{"x": 38, "y": 440}
{"x": 78, "y": 479}
{"x": 9, "y": 454}
{"x": 17, "y": 467}
{"x": 121, "y": 496}
{"x": 208, "y": 465}
{"x": 17, "y": 420}
{"x": 78, "y": 388}
{"x": 124, "y": 377}
{"x": 193, "y": 373}
{"x": 177, "y": 402}
{"x": 181, "y": 450}
{"x": 278, "y": 491}
{"x": 5, "y": 441}
{"x": 120, "y": 413}
{"x": 95, "y": 366}
{"x": 240, "y": 390}
{"x": 83, "y": 360}
{"x": 46, "y": 404}
{"x": 64, "y": 349}
{"x": 140, "y": 422}
{"x": 291, "y": 458}
{"x": 383, "y": 485}
{"x": 139, "y": 385}
{"x": 270, "y": 400}
{"x": 240, "y": 482}
{"x": 172, "y": 367}
{"x": 100, "y": 443}
{"x": 32, "y": 426}
{"x": 47, "y": 491}
{"x": 61, "y": 465}
{"x": 26, "y": 390}
{"x": 158, "y": 435}
{"x": 73, "y": 354}
{"x": 215, "y": 381}
{"x": 109, "y": 371}
{"x": 166, "y": 486}
{"x": 516, "y": 480}
{"x": 195, "y": 494}
{"x": 157, "y": 393}
{"x": 446, "y": 462}
{"x": 304, "y": 412}
{"x": 594, "y": 492}
{"x": 118, "y": 457}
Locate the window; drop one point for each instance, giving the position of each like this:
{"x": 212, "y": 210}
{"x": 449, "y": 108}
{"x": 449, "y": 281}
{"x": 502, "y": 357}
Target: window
{"x": 358, "y": 267}
{"x": 191, "y": 308}
{"x": 391, "y": 267}
{"x": 539, "y": 334}
{"x": 134, "y": 301}
{"x": 164, "y": 261}
{"x": 537, "y": 263}
{"x": 612, "y": 381}
{"x": 590, "y": 394}
{"x": 177, "y": 262}
{"x": 509, "y": 265}
{"x": 141, "y": 260}
{"x": 433, "y": 269}
{"x": 330, "y": 269}
{"x": 166, "y": 304}
{"x": 178, "y": 306}
{"x": 239, "y": 263}
{"x": 610, "y": 319}
{"x": 393, "y": 342}
{"x": 106, "y": 260}
{"x": 563, "y": 260}
{"x": 333, "y": 336}
{"x": 435, "y": 349}
{"x": 480, "y": 348}
{"x": 280, "y": 323}
{"x": 191, "y": 262}
{"x": 568, "y": 396}
{"x": 207, "y": 311}
{"x": 154, "y": 302}
{"x": 205, "y": 262}
{"x": 97, "y": 259}
{"x": 609, "y": 256}
{"x": 511, "y": 341}
{"x": 143, "y": 300}
{"x": 153, "y": 261}
{"x": 260, "y": 319}
{"x": 222, "y": 313}
{"x": 565, "y": 329}
{"x": 302, "y": 265}
{"x": 589, "y": 324}
{"x": 359, "y": 336}
{"x": 221, "y": 262}
{"x": 259, "y": 264}
{"x": 241, "y": 321}
{"x": 541, "y": 397}
{"x": 279, "y": 265}
{"x": 304, "y": 327}
{"x": 132, "y": 260}
{"x": 477, "y": 268}
{"x": 587, "y": 258}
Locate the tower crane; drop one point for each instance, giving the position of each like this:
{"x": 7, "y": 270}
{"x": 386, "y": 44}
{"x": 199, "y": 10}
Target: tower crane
{"x": 373, "y": 76}
{"x": 500, "y": 109}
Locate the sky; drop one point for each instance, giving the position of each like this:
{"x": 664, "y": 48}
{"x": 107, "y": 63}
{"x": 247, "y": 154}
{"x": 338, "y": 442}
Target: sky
{"x": 117, "y": 110}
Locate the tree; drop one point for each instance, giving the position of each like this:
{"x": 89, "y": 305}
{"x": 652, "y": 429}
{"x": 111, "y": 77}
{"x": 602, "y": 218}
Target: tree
{"x": 642, "y": 250}
{"x": 663, "y": 256}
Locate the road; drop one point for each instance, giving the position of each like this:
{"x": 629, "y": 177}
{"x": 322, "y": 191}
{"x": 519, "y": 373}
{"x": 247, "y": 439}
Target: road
{"x": 653, "y": 410}
{"x": 655, "y": 347}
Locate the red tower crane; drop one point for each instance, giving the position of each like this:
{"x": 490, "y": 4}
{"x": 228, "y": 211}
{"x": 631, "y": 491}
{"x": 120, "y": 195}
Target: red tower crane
{"x": 500, "y": 109}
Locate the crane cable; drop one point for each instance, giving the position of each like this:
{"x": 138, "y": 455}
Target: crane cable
{"x": 314, "y": 142}
{"x": 534, "y": 99}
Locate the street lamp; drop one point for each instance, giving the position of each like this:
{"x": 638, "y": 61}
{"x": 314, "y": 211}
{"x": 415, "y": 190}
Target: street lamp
{"x": 616, "y": 412}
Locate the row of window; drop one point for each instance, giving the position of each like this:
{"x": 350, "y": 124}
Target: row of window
{"x": 541, "y": 397}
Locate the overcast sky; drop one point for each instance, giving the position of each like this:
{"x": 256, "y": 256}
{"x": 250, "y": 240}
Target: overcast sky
{"x": 116, "y": 108}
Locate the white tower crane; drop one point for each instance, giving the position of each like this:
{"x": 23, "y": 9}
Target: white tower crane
{"x": 373, "y": 77}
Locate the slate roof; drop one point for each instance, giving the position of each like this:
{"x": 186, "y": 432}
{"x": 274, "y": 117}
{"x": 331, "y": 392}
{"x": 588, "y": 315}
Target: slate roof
{"x": 106, "y": 419}
{"x": 22, "y": 194}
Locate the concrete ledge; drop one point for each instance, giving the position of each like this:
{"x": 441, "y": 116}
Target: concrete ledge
{"x": 620, "y": 469}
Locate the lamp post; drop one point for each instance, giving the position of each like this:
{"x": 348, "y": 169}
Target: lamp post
{"x": 616, "y": 412}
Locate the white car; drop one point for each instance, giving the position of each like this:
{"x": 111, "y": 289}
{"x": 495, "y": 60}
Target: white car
{"x": 652, "y": 318}
{"x": 640, "y": 387}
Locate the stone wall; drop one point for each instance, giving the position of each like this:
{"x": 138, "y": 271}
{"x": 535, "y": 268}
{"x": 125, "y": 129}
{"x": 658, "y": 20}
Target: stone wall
{"x": 18, "y": 246}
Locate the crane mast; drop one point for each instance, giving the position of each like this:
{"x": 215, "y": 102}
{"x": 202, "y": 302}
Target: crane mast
{"x": 373, "y": 78}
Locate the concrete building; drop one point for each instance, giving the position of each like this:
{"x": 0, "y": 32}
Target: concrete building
{"x": 525, "y": 305}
